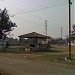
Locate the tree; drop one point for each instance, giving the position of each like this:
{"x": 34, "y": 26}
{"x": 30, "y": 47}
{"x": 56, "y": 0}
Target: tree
{"x": 6, "y": 25}
{"x": 73, "y": 33}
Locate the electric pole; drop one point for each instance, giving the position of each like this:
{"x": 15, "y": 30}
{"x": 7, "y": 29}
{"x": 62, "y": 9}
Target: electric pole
{"x": 61, "y": 32}
{"x": 70, "y": 29}
{"x": 46, "y": 27}
{"x": 61, "y": 35}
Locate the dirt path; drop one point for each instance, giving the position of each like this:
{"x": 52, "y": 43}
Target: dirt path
{"x": 23, "y": 67}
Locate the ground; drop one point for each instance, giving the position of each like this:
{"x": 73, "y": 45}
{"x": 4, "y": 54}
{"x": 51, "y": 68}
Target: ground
{"x": 14, "y": 66}
{"x": 29, "y": 63}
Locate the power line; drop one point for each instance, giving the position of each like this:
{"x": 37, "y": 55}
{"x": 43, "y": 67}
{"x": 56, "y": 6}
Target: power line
{"x": 57, "y": 2}
{"x": 29, "y": 11}
{"x": 35, "y": 8}
{"x": 61, "y": 32}
{"x": 12, "y": 15}
{"x": 32, "y": 10}
{"x": 11, "y": 5}
{"x": 41, "y": 9}
{"x": 35, "y": 16}
{"x": 30, "y": 4}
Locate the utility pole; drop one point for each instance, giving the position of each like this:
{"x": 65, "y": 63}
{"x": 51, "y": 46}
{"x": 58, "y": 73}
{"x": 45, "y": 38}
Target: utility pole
{"x": 61, "y": 32}
{"x": 70, "y": 29}
{"x": 46, "y": 27}
{"x": 61, "y": 35}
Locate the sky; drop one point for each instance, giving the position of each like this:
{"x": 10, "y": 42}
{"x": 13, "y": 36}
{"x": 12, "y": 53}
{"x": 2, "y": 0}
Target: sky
{"x": 30, "y": 16}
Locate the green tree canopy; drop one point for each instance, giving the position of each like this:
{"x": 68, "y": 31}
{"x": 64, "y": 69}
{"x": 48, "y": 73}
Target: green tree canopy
{"x": 6, "y": 25}
{"x": 73, "y": 28}
{"x": 73, "y": 33}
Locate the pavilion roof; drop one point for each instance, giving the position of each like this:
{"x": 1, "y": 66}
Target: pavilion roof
{"x": 34, "y": 35}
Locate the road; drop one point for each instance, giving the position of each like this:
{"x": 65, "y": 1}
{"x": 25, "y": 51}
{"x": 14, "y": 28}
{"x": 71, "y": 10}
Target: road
{"x": 22, "y": 67}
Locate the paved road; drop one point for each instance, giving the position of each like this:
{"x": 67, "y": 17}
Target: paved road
{"x": 21, "y": 67}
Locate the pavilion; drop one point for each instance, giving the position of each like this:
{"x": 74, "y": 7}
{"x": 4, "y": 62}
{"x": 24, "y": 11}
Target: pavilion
{"x": 33, "y": 36}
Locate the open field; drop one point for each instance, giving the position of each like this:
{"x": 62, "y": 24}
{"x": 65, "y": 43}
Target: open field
{"x": 53, "y": 56}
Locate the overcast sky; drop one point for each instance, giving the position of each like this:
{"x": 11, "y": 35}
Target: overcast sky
{"x": 30, "y": 16}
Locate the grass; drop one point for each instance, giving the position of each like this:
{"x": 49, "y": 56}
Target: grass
{"x": 63, "y": 48}
{"x": 49, "y": 58}
{"x": 56, "y": 55}
{"x": 53, "y": 48}
{"x": 10, "y": 50}
{"x": 60, "y": 48}
{"x": 53, "y": 56}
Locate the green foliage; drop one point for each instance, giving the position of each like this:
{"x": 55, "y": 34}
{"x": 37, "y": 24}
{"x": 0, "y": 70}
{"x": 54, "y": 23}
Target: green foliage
{"x": 73, "y": 33}
{"x": 73, "y": 28}
{"x": 39, "y": 49}
{"x": 59, "y": 48}
{"x": 9, "y": 50}
{"x": 6, "y": 25}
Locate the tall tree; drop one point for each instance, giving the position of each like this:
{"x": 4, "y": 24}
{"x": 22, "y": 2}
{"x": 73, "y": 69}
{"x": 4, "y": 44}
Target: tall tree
{"x": 6, "y": 25}
{"x": 73, "y": 33}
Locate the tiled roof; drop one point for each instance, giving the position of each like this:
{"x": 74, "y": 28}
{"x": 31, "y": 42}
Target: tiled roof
{"x": 33, "y": 35}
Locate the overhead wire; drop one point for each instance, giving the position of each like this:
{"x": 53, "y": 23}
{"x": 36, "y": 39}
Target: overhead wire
{"x": 39, "y": 8}
{"x": 28, "y": 11}
{"x": 11, "y": 5}
{"x": 42, "y": 8}
{"x": 59, "y": 4}
{"x": 39, "y": 5}
{"x": 12, "y": 15}
{"x": 33, "y": 9}
{"x": 36, "y": 9}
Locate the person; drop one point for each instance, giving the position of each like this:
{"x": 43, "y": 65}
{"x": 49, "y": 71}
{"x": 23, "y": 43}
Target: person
{"x": 7, "y": 44}
{"x": 40, "y": 44}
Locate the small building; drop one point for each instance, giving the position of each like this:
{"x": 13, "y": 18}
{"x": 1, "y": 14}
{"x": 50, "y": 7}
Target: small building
{"x": 38, "y": 40}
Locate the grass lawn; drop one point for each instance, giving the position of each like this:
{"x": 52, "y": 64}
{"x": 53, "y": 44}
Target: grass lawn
{"x": 56, "y": 59}
{"x": 62, "y": 48}
{"x": 59, "y": 53}
{"x": 11, "y": 50}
